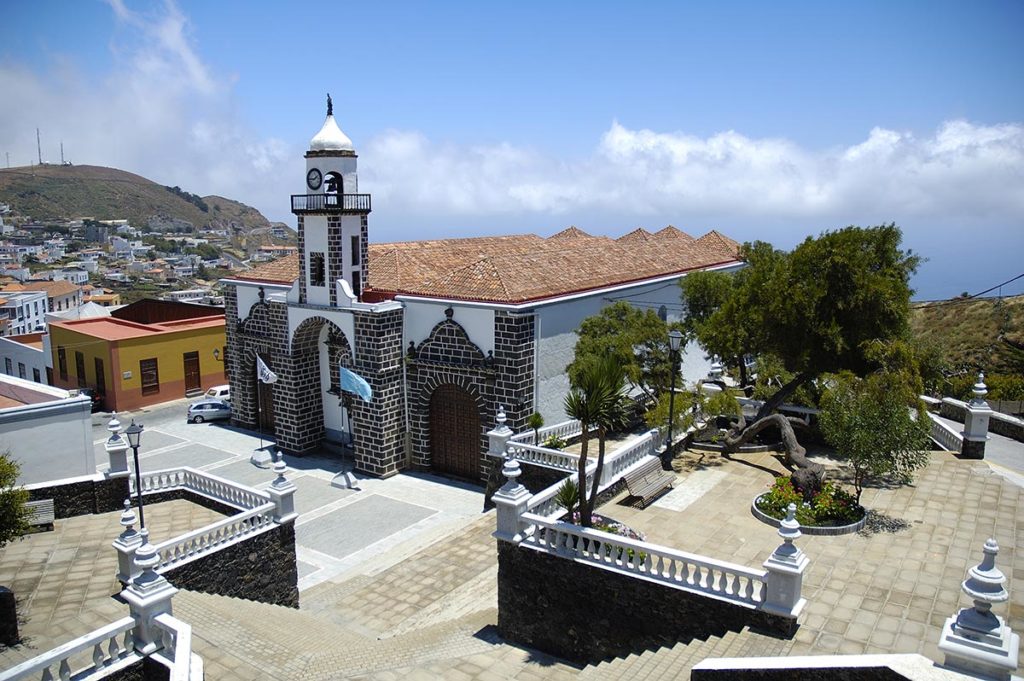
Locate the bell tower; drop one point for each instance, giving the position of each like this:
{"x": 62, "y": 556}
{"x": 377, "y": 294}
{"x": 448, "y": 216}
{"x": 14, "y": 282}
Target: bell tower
{"x": 332, "y": 220}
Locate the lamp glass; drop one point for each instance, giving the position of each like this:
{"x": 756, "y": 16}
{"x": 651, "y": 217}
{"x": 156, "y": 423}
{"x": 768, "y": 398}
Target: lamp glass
{"x": 216, "y": 353}
{"x": 675, "y": 339}
{"x": 133, "y": 433}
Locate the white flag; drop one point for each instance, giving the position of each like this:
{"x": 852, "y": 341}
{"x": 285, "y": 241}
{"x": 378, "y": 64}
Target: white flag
{"x": 264, "y": 372}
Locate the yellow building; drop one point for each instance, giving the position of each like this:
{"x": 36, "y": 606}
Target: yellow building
{"x": 145, "y": 353}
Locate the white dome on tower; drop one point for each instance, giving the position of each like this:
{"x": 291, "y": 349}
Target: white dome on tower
{"x": 330, "y": 138}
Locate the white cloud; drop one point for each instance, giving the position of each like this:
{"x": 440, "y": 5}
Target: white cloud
{"x": 963, "y": 169}
{"x": 164, "y": 113}
{"x": 160, "y": 112}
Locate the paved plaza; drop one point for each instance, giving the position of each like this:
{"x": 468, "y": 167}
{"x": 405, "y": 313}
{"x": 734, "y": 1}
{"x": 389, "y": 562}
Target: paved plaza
{"x": 398, "y": 577}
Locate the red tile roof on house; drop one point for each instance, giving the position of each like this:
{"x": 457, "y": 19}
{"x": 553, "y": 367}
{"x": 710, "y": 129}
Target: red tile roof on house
{"x": 524, "y": 267}
{"x": 53, "y": 288}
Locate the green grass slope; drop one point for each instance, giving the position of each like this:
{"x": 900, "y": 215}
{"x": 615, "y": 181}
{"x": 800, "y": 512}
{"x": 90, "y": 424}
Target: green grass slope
{"x": 975, "y": 333}
{"x": 53, "y": 191}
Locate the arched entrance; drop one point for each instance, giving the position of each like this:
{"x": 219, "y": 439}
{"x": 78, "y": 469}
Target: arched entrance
{"x": 454, "y": 432}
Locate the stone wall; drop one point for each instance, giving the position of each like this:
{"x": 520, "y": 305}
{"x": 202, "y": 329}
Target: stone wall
{"x": 146, "y": 669}
{"x": 808, "y": 674}
{"x": 586, "y": 614}
{"x": 1000, "y": 424}
{"x": 533, "y": 477}
{"x": 260, "y": 568}
{"x": 84, "y": 496}
{"x": 379, "y": 426}
{"x": 149, "y": 498}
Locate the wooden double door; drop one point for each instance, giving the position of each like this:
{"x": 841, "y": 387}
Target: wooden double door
{"x": 455, "y": 433}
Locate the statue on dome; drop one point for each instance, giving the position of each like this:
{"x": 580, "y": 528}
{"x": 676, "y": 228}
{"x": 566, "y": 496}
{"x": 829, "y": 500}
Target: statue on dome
{"x": 330, "y": 105}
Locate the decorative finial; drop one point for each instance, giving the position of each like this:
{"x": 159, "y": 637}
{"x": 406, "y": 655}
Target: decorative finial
{"x": 114, "y": 426}
{"x": 980, "y": 389}
{"x": 511, "y": 471}
{"x": 330, "y": 105}
{"x": 500, "y": 418}
{"x": 128, "y": 517}
{"x": 789, "y": 530}
{"x": 984, "y": 583}
{"x": 448, "y": 312}
{"x": 280, "y": 467}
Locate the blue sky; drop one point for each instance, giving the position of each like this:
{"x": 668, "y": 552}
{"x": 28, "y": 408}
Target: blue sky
{"x": 761, "y": 120}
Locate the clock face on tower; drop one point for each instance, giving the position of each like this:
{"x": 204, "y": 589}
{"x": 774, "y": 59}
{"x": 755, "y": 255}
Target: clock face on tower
{"x": 314, "y": 179}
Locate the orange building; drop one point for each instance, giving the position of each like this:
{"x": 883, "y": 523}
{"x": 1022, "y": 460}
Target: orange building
{"x": 145, "y": 353}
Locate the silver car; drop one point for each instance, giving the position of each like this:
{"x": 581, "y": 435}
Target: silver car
{"x": 208, "y": 410}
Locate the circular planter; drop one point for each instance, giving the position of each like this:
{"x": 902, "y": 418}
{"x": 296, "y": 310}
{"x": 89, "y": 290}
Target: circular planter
{"x": 814, "y": 530}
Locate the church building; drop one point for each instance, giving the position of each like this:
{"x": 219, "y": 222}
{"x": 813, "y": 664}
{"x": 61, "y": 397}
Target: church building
{"x": 443, "y": 332}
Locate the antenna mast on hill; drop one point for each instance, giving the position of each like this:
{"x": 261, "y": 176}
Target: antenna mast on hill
{"x": 39, "y": 147}
{"x": 62, "y": 152}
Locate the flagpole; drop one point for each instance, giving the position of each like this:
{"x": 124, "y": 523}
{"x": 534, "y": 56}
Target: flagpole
{"x": 259, "y": 408}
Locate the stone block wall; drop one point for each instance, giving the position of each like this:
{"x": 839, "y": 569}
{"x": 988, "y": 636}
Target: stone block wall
{"x": 260, "y": 568}
{"x": 514, "y": 355}
{"x": 586, "y": 614}
{"x": 379, "y": 426}
{"x": 84, "y": 496}
{"x": 263, "y": 332}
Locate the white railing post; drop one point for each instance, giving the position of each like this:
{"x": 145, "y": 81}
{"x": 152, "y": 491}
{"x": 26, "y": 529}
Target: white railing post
{"x": 148, "y": 595}
{"x": 499, "y": 436}
{"x": 786, "y": 567}
{"x": 511, "y": 501}
{"x": 126, "y": 545}
{"x": 117, "y": 448}
{"x": 975, "y": 640}
{"x": 282, "y": 493}
{"x": 976, "y": 422}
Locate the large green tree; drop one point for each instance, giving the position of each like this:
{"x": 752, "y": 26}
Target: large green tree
{"x": 817, "y": 309}
{"x": 637, "y": 339}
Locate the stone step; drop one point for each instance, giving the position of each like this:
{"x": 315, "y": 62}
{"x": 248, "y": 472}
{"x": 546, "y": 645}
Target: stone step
{"x": 678, "y": 657}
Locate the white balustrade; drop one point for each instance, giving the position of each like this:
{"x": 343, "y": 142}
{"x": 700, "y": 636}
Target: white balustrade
{"x": 728, "y": 581}
{"x": 209, "y": 485}
{"x": 944, "y": 435}
{"x": 542, "y": 456}
{"x": 176, "y": 637}
{"x": 108, "y": 645}
{"x": 198, "y": 542}
{"x": 619, "y": 461}
{"x": 565, "y": 430}
{"x": 544, "y": 504}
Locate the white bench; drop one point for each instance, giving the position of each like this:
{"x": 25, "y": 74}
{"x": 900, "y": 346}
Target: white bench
{"x": 647, "y": 480}
{"x": 40, "y": 512}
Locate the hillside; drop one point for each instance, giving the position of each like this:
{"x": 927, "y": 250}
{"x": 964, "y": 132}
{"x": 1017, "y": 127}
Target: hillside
{"x": 54, "y": 191}
{"x": 974, "y": 332}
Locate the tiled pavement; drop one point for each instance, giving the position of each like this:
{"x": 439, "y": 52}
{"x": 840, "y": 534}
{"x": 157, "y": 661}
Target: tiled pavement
{"x": 64, "y": 579}
{"x": 430, "y": 614}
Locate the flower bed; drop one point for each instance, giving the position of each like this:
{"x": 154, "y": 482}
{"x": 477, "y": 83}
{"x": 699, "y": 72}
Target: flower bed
{"x": 831, "y": 511}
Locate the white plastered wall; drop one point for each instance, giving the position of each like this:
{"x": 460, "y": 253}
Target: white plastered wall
{"x": 422, "y": 317}
{"x": 315, "y": 233}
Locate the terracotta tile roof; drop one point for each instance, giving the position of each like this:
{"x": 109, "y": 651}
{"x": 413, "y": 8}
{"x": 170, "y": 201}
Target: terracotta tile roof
{"x": 53, "y": 288}
{"x": 14, "y": 288}
{"x": 522, "y": 267}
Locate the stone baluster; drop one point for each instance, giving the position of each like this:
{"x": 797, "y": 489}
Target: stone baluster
{"x": 975, "y": 640}
{"x": 976, "y": 422}
{"x": 786, "y": 567}
{"x": 511, "y": 501}
{"x": 499, "y": 436}
{"x": 148, "y": 594}
{"x": 282, "y": 493}
{"x": 126, "y": 545}
{"x": 117, "y": 449}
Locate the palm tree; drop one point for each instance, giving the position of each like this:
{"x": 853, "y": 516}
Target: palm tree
{"x": 595, "y": 399}
{"x": 535, "y": 421}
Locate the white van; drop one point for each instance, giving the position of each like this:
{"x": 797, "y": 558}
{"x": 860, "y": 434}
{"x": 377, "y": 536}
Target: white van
{"x": 219, "y": 392}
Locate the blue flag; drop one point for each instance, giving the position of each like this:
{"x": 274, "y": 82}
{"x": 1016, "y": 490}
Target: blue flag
{"x": 354, "y": 383}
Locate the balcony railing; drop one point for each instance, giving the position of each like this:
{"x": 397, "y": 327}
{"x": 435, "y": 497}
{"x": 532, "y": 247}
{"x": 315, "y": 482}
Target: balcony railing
{"x": 329, "y": 203}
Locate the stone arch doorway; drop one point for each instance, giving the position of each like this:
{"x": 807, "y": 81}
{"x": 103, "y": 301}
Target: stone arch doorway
{"x": 318, "y": 349}
{"x": 455, "y": 432}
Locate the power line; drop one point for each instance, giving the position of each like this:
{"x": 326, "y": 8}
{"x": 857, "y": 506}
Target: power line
{"x": 957, "y": 301}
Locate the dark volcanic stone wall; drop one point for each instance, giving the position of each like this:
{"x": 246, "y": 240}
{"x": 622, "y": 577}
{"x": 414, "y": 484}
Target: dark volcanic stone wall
{"x": 818, "y": 674}
{"x": 261, "y": 568}
{"x": 586, "y": 614}
{"x": 84, "y": 497}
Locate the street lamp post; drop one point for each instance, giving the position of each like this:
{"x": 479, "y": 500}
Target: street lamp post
{"x": 134, "y": 434}
{"x": 675, "y": 339}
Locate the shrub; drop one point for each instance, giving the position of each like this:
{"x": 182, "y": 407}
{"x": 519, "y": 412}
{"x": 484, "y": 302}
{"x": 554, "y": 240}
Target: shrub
{"x": 554, "y": 442}
{"x": 568, "y": 495}
{"x": 830, "y": 506}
